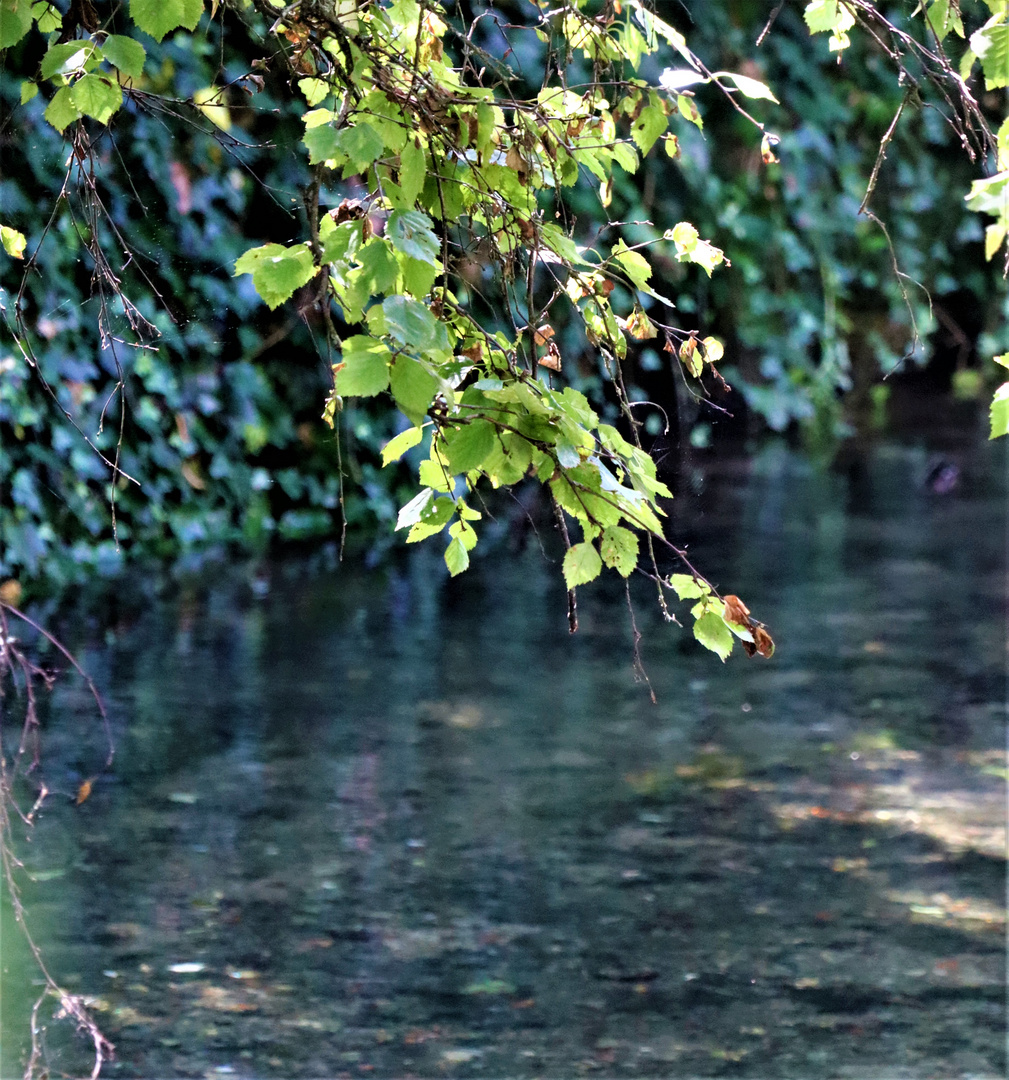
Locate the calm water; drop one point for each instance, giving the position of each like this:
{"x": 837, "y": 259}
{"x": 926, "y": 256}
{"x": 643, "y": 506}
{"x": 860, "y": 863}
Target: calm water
{"x": 397, "y": 826}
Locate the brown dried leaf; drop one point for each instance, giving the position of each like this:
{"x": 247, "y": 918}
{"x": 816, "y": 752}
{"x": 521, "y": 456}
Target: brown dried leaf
{"x": 10, "y": 592}
{"x": 552, "y": 360}
{"x": 763, "y": 642}
{"x": 84, "y": 791}
{"x": 191, "y": 472}
{"x": 348, "y": 210}
{"x": 736, "y": 611}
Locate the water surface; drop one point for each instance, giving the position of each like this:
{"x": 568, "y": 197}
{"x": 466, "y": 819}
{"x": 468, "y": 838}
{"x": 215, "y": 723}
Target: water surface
{"x": 382, "y": 824}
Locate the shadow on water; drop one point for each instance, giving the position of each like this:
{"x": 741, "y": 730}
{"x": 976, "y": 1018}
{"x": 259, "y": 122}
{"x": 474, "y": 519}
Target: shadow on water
{"x": 381, "y": 824}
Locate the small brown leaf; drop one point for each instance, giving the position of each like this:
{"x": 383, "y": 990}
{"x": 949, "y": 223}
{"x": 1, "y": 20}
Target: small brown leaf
{"x": 543, "y": 334}
{"x": 736, "y": 611}
{"x": 764, "y": 642}
{"x": 767, "y": 145}
{"x": 552, "y": 360}
{"x": 84, "y": 791}
{"x": 688, "y": 356}
{"x": 348, "y": 210}
{"x": 639, "y": 326}
{"x": 191, "y": 472}
{"x": 514, "y": 160}
{"x": 10, "y": 592}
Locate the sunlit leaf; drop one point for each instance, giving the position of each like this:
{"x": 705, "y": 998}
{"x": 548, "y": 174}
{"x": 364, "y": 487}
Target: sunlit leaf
{"x": 711, "y": 631}
{"x": 456, "y": 556}
{"x": 125, "y": 54}
{"x": 413, "y": 387}
{"x": 468, "y": 445}
{"x": 991, "y": 45}
{"x": 1000, "y": 412}
{"x": 14, "y": 242}
{"x": 365, "y": 368}
{"x": 396, "y": 447}
{"x": 277, "y": 271}
{"x": 161, "y": 17}
{"x": 751, "y": 88}
{"x": 687, "y": 587}
{"x": 411, "y": 513}
{"x": 97, "y": 96}
{"x": 61, "y": 111}
{"x": 619, "y": 549}
{"x": 582, "y": 564}
{"x": 15, "y": 21}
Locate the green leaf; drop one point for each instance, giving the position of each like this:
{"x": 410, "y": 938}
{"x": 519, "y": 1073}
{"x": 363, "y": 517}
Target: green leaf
{"x": 687, "y": 587}
{"x": 411, "y": 513}
{"x": 993, "y": 237}
{"x": 126, "y": 54}
{"x": 1000, "y": 412}
{"x": 966, "y": 63}
{"x": 28, "y": 91}
{"x": 97, "y": 96}
{"x": 823, "y": 16}
{"x": 468, "y": 445}
{"x": 635, "y": 265}
{"x": 66, "y": 58}
{"x": 465, "y": 533}
{"x": 991, "y": 44}
{"x": 322, "y": 145}
{"x": 683, "y": 235}
{"x": 711, "y": 631}
{"x": 581, "y": 564}
{"x": 315, "y": 90}
{"x": 989, "y": 195}
{"x": 14, "y": 242}
{"x": 649, "y": 125}
{"x": 576, "y": 405}
{"x": 433, "y": 518}
{"x": 413, "y": 388}
{"x": 412, "y": 173}
{"x": 396, "y": 447}
{"x": 943, "y": 17}
{"x": 61, "y": 111}
{"x": 277, "y": 271}
{"x": 362, "y": 144}
{"x": 619, "y": 549}
{"x": 418, "y": 277}
{"x": 411, "y": 323}
{"x": 15, "y": 21}
{"x": 688, "y": 110}
{"x": 410, "y": 232}
{"x": 47, "y": 17}
{"x": 161, "y": 17}
{"x": 751, "y": 88}
{"x": 456, "y": 557}
{"x": 379, "y": 265}
{"x": 365, "y": 370}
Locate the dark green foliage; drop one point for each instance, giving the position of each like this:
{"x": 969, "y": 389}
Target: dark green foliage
{"x": 222, "y": 423}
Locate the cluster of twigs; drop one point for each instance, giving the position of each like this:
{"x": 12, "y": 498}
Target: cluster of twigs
{"x": 21, "y": 679}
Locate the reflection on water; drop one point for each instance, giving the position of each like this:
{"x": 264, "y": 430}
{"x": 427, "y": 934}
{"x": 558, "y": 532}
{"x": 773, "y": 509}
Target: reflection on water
{"x": 381, "y": 824}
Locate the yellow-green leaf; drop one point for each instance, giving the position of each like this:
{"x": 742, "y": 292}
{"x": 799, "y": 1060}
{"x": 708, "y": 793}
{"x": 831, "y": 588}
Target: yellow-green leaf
{"x": 14, "y": 242}
{"x": 581, "y": 564}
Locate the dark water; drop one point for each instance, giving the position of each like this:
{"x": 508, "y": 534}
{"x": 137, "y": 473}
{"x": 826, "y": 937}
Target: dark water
{"x": 396, "y": 826}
